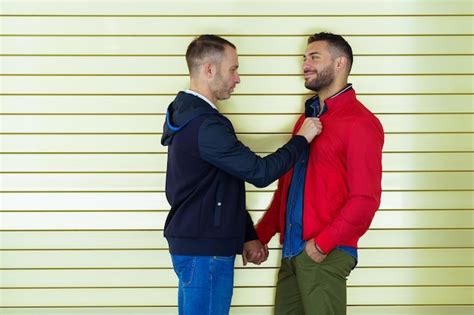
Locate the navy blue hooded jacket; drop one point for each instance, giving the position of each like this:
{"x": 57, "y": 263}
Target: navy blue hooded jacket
{"x": 206, "y": 171}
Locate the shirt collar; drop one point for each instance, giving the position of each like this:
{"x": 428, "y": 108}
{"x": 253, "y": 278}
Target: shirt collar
{"x": 201, "y": 97}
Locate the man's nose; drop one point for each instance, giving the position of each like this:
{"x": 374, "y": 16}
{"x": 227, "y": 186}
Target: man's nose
{"x": 306, "y": 65}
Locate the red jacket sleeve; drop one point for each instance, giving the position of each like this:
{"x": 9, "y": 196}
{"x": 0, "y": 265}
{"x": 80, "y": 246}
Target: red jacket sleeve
{"x": 364, "y": 176}
{"x": 269, "y": 224}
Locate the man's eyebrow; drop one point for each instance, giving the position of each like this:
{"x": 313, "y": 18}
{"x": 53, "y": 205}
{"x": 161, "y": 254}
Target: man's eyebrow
{"x": 312, "y": 54}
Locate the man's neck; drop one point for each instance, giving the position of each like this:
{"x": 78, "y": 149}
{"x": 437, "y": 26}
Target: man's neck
{"x": 203, "y": 90}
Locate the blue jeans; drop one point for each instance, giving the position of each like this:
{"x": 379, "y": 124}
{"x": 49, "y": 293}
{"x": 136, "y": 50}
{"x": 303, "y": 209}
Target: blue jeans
{"x": 205, "y": 284}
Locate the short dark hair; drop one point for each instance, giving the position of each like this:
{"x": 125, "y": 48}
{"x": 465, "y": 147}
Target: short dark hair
{"x": 205, "y": 46}
{"x": 337, "y": 44}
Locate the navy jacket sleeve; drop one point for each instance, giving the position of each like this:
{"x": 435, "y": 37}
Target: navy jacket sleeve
{"x": 219, "y": 146}
{"x": 250, "y": 233}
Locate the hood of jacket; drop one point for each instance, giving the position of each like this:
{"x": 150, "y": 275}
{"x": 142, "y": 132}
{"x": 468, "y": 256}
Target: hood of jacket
{"x": 182, "y": 110}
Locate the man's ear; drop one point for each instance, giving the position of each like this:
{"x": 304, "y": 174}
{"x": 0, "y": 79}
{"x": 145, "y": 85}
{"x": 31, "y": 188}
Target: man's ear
{"x": 209, "y": 70}
{"x": 341, "y": 63}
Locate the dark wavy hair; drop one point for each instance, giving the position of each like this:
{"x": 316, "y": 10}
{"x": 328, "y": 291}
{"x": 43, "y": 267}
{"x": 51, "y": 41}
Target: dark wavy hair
{"x": 337, "y": 45}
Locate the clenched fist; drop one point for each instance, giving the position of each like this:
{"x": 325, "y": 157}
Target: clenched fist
{"x": 310, "y": 128}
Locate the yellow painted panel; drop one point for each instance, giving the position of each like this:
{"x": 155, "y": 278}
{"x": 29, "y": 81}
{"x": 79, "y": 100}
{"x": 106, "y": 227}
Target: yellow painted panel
{"x": 424, "y": 219}
{"x": 415, "y": 219}
{"x": 244, "y": 277}
{"x": 82, "y": 162}
{"x": 243, "y": 104}
{"x": 157, "y": 162}
{"x": 396, "y": 84}
{"x": 410, "y": 295}
{"x": 243, "y": 123}
{"x": 303, "y": 7}
{"x": 418, "y": 257}
{"x": 156, "y": 182}
{"x": 93, "y": 143}
{"x": 261, "y": 143}
{"x": 84, "y": 201}
{"x": 429, "y": 142}
{"x": 403, "y": 238}
{"x": 242, "y": 296}
{"x": 155, "y": 220}
{"x": 83, "y": 182}
{"x": 78, "y": 220}
{"x": 409, "y": 310}
{"x": 84, "y": 240}
{"x": 427, "y": 181}
{"x": 246, "y": 45}
{"x": 89, "y": 259}
{"x": 427, "y": 200}
{"x": 245, "y": 310}
{"x": 255, "y": 200}
{"x": 249, "y": 65}
{"x": 417, "y": 238}
{"x": 428, "y": 161}
{"x": 262, "y": 25}
{"x": 394, "y": 200}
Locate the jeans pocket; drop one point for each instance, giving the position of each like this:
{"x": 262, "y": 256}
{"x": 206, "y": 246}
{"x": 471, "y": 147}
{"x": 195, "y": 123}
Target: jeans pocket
{"x": 184, "y": 267}
{"x": 225, "y": 258}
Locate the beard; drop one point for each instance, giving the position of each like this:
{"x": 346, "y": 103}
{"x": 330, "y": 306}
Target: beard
{"x": 219, "y": 87}
{"x": 323, "y": 79}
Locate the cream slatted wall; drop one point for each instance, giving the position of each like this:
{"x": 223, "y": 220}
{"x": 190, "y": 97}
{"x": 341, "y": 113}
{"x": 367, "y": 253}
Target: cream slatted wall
{"x": 84, "y": 85}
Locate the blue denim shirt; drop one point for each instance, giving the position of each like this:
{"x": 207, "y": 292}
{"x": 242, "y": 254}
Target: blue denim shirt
{"x": 293, "y": 243}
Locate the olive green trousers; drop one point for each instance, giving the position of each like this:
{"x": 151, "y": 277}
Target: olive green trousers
{"x": 306, "y": 287}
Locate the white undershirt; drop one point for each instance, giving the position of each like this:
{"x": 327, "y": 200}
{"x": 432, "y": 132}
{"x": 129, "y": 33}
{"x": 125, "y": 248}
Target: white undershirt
{"x": 201, "y": 97}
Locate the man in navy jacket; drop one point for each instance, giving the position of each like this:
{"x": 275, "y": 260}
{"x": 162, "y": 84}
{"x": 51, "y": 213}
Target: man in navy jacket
{"x": 207, "y": 166}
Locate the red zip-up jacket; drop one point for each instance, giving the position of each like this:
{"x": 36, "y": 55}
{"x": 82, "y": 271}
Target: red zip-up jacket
{"x": 343, "y": 178}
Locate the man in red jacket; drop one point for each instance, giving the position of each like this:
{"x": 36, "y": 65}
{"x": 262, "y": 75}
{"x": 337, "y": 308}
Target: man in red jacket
{"x": 327, "y": 201}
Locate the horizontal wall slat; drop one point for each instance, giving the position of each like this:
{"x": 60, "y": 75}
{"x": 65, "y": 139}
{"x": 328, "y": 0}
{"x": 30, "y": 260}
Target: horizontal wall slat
{"x": 396, "y": 84}
{"x": 156, "y": 162}
{"x": 242, "y": 296}
{"x": 243, "y": 123}
{"x": 238, "y": 25}
{"x": 255, "y": 201}
{"x": 444, "y": 257}
{"x": 154, "y": 239}
{"x": 244, "y": 310}
{"x": 288, "y": 104}
{"x": 247, "y": 7}
{"x": 248, "y": 65}
{"x": 253, "y": 45}
{"x": 263, "y": 143}
{"x": 246, "y": 277}
{"x": 23, "y": 240}
{"x": 156, "y": 220}
{"x": 156, "y": 182}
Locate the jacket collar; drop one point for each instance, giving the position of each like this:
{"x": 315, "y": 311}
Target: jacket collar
{"x": 344, "y": 96}
{"x": 333, "y": 102}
